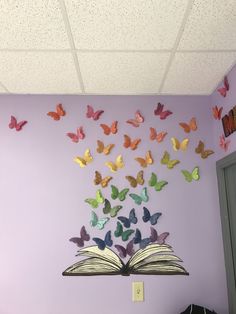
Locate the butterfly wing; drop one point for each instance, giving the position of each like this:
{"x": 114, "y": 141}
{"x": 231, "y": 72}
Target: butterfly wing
{"x": 132, "y": 217}
{"x": 207, "y": 153}
{"x": 144, "y": 195}
{"x": 130, "y": 248}
{"x": 160, "y": 185}
{"x": 121, "y": 250}
{"x": 100, "y": 243}
{"x": 138, "y": 117}
{"x": 111, "y": 166}
{"x": 149, "y": 159}
{"x": 154, "y": 218}
{"x": 81, "y": 161}
{"x": 53, "y": 115}
{"x": 119, "y": 162}
{"x": 137, "y": 236}
{"x": 159, "y": 109}
{"x": 175, "y": 143}
{"x": 144, "y": 242}
{"x": 97, "y": 114}
{"x": 141, "y": 161}
{"x": 184, "y": 144}
{"x": 135, "y": 143}
{"x": 106, "y": 129}
{"x": 125, "y": 221}
{"x": 137, "y": 199}
{"x": 162, "y": 237}
{"x": 139, "y": 178}
{"x": 108, "y": 240}
{"x": 165, "y": 159}
{"x": 94, "y": 219}
{"x": 99, "y": 197}
{"x": 105, "y": 181}
{"x": 92, "y": 202}
{"x": 108, "y": 149}
{"x": 172, "y": 163}
{"x": 195, "y": 174}
{"x": 127, "y": 141}
{"x": 153, "y": 134}
{"x": 200, "y": 148}
{"x": 90, "y": 112}
{"x": 222, "y": 91}
{"x": 84, "y": 235}
{"x": 126, "y": 234}
{"x": 119, "y": 230}
{"x": 80, "y": 133}
{"x": 193, "y": 124}
{"x": 60, "y": 111}
{"x": 153, "y": 180}
{"x": 187, "y": 175}
{"x": 114, "y": 192}
{"x": 78, "y": 241}
{"x": 226, "y": 83}
{"x": 98, "y": 178}
{"x": 132, "y": 181}
{"x": 87, "y": 156}
{"x": 133, "y": 122}
{"x": 146, "y": 214}
{"x": 114, "y": 210}
{"x": 122, "y": 194}
{"x": 101, "y": 222}
{"x": 217, "y": 112}
{"x": 74, "y": 137}
{"x": 160, "y": 136}
{"x": 165, "y": 114}
{"x": 100, "y": 146}
{"x": 12, "y": 123}
{"x": 153, "y": 236}
{"x": 20, "y": 125}
{"x": 185, "y": 127}
{"x": 107, "y": 207}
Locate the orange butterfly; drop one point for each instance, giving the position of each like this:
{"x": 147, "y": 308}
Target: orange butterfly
{"x": 191, "y": 126}
{"x": 144, "y": 162}
{"x": 217, "y": 112}
{"x": 132, "y": 144}
{"x": 137, "y": 120}
{"x": 60, "y": 112}
{"x": 109, "y": 129}
{"x": 157, "y": 136}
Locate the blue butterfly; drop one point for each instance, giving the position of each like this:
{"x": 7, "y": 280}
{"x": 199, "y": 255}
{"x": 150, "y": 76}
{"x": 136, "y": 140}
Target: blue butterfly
{"x": 103, "y": 243}
{"x": 148, "y": 217}
{"x": 138, "y": 239}
{"x": 138, "y": 199}
{"x": 127, "y": 221}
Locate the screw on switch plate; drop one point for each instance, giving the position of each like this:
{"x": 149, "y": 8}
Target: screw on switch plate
{"x": 137, "y": 291}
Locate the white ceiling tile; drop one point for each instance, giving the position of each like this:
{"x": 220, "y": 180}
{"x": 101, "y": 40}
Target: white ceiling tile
{"x": 27, "y": 24}
{"x": 39, "y": 72}
{"x": 2, "y": 90}
{"x": 211, "y": 25}
{"x": 197, "y": 73}
{"x": 122, "y": 24}
{"x": 122, "y": 73}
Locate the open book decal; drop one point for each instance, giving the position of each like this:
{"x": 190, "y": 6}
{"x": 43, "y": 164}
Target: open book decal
{"x": 154, "y": 259}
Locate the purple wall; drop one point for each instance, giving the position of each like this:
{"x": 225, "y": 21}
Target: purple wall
{"x": 42, "y": 193}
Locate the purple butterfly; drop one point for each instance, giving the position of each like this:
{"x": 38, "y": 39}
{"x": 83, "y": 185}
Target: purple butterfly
{"x": 84, "y": 236}
{"x": 123, "y": 252}
{"x": 160, "y": 239}
{"x": 138, "y": 239}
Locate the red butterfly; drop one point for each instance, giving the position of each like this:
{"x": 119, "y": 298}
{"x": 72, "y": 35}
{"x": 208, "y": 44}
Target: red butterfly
{"x": 223, "y": 143}
{"x": 79, "y": 135}
{"x": 18, "y": 126}
{"x": 56, "y": 115}
{"x": 223, "y": 90}
{"x": 217, "y": 112}
{"x": 137, "y": 120}
{"x": 95, "y": 115}
{"x": 159, "y": 111}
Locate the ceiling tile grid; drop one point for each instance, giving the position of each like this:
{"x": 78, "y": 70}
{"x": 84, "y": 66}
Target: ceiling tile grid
{"x": 116, "y": 46}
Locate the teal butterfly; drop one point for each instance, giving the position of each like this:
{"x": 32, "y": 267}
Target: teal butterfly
{"x": 115, "y": 193}
{"x": 190, "y": 176}
{"x": 158, "y": 185}
{"x": 119, "y": 232}
{"x": 99, "y": 223}
{"x": 95, "y": 202}
{"x": 108, "y": 209}
{"x": 143, "y": 197}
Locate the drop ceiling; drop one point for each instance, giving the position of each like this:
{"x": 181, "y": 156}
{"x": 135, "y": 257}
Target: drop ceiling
{"x": 115, "y": 47}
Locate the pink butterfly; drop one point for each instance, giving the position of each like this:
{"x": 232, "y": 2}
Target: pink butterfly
{"x": 223, "y": 90}
{"x": 84, "y": 236}
{"x": 137, "y": 120}
{"x": 159, "y": 111}
{"x": 18, "y": 126}
{"x": 92, "y": 114}
{"x": 160, "y": 239}
{"x": 79, "y": 135}
{"x": 223, "y": 143}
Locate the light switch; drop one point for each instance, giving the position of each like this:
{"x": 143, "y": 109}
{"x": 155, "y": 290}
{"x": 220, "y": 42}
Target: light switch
{"x": 137, "y": 291}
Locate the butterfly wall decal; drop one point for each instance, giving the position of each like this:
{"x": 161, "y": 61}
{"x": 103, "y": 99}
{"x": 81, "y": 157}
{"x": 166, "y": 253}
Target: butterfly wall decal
{"x": 128, "y": 143}
{"x": 115, "y": 166}
{"x": 142, "y": 197}
{"x": 103, "y": 243}
{"x": 135, "y": 181}
{"x": 119, "y": 232}
{"x": 223, "y": 143}
{"x": 168, "y": 162}
{"x": 16, "y": 125}
{"x": 143, "y": 242}
{"x": 101, "y": 148}
{"x": 147, "y": 160}
{"x": 100, "y": 180}
{"x": 200, "y": 149}
{"x": 116, "y": 194}
{"x": 84, "y": 236}
{"x": 91, "y": 114}
{"x": 193, "y": 175}
{"x": 148, "y": 217}
{"x": 107, "y": 130}
{"x": 79, "y": 135}
{"x": 177, "y": 145}
{"x": 108, "y": 209}
{"x": 56, "y": 115}
{"x": 85, "y": 160}
{"x": 159, "y": 137}
{"x": 95, "y": 202}
{"x": 98, "y": 222}
{"x": 223, "y": 90}
{"x": 127, "y": 221}
{"x": 162, "y": 114}
{"x": 138, "y": 119}
{"x": 124, "y": 251}
{"x": 160, "y": 239}
{"x": 191, "y": 126}
{"x": 157, "y": 185}
{"x": 217, "y": 112}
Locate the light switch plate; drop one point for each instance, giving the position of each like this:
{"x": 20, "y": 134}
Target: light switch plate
{"x": 137, "y": 291}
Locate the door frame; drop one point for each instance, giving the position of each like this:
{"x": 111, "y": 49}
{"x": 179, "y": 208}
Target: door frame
{"x": 229, "y": 264}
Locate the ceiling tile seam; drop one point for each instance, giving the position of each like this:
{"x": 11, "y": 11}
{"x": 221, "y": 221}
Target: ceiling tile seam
{"x": 177, "y": 41}
{"x": 4, "y": 87}
{"x": 72, "y": 43}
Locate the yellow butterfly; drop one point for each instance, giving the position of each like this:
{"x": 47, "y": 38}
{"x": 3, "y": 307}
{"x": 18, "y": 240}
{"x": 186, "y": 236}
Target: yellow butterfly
{"x": 104, "y": 149}
{"x": 148, "y": 160}
{"x": 179, "y": 145}
{"x": 86, "y": 159}
{"x": 135, "y": 181}
{"x": 99, "y": 180}
{"x": 169, "y": 163}
{"x": 114, "y": 166}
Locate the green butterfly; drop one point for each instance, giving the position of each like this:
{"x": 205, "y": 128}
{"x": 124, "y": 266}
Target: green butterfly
{"x": 169, "y": 163}
{"x": 158, "y": 185}
{"x": 116, "y": 194}
{"x": 94, "y": 202}
{"x": 99, "y": 223}
{"x": 107, "y": 209}
{"x": 190, "y": 176}
{"x": 123, "y": 234}
{"x": 138, "y": 199}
